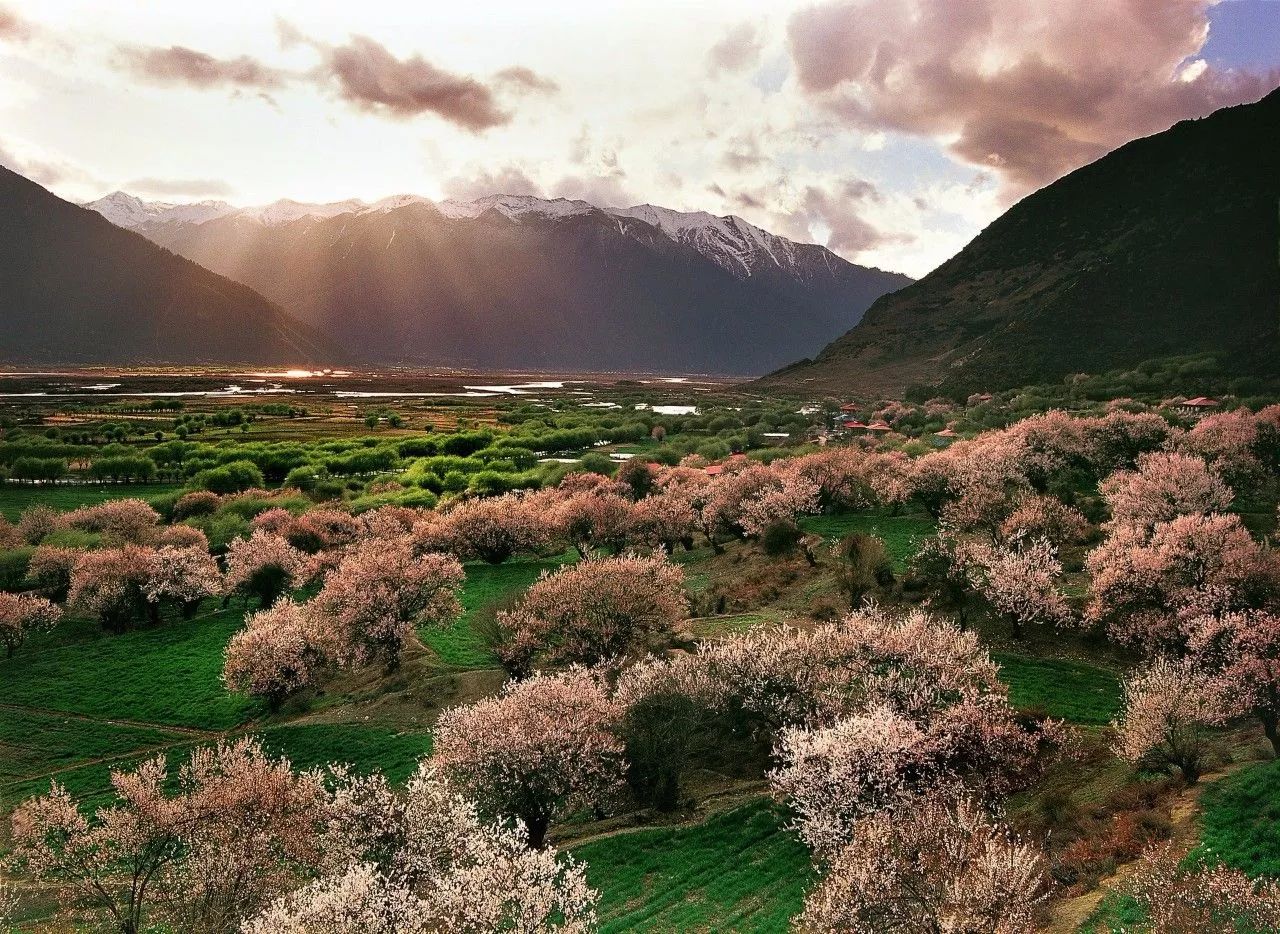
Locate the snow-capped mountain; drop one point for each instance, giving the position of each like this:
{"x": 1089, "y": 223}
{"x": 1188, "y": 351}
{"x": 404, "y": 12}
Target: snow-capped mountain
{"x": 733, "y": 244}
{"x": 517, "y": 280}
{"x": 124, "y": 210}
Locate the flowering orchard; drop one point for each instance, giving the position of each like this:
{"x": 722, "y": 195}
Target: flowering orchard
{"x": 886, "y": 734}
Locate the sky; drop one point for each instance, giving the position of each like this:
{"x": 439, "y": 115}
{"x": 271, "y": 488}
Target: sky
{"x": 892, "y": 131}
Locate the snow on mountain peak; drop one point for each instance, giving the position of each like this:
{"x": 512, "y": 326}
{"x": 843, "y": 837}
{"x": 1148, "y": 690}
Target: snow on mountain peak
{"x": 730, "y": 241}
{"x": 286, "y": 210}
{"x": 736, "y": 246}
{"x": 515, "y": 207}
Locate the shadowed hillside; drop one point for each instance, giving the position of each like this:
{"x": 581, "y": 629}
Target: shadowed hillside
{"x": 1165, "y": 247}
{"x": 75, "y": 288}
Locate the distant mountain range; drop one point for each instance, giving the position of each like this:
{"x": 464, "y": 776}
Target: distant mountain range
{"x": 1165, "y": 247}
{"x": 518, "y": 281}
{"x": 76, "y": 289}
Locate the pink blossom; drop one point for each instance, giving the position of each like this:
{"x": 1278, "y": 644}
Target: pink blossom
{"x": 1019, "y": 580}
{"x": 428, "y": 863}
{"x": 234, "y": 834}
{"x": 279, "y": 652}
{"x": 378, "y": 592}
{"x": 184, "y": 575}
{"x": 1181, "y": 898}
{"x": 50, "y": 569}
{"x": 1167, "y": 706}
{"x": 109, "y": 584}
{"x": 119, "y": 520}
{"x": 1192, "y": 566}
{"x": 933, "y": 865}
{"x": 23, "y": 614}
{"x": 599, "y": 609}
{"x": 264, "y": 565}
{"x": 490, "y": 530}
{"x": 591, "y": 519}
{"x": 542, "y": 749}
{"x": 1163, "y": 487}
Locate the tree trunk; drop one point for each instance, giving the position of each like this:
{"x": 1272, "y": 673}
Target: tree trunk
{"x": 536, "y": 825}
{"x": 1269, "y": 726}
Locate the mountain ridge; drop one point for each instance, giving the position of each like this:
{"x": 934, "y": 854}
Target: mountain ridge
{"x": 695, "y": 227}
{"x": 1165, "y": 247}
{"x": 515, "y": 280}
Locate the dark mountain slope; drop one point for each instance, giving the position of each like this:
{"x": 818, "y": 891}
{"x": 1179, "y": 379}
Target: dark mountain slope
{"x": 76, "y": 289}
{"x": 1165, "y": 247}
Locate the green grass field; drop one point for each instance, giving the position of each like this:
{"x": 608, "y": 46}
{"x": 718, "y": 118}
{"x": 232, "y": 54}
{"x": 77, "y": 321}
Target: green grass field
{"x": 488, "y": 586}
{"x": 1240, "y": 824}
{"x": 34, "y": 743}
{"x": 15, "y": 499}
{"x": 739, "y": 871}
{"x": 365, "y": 746}
{"x": 169, "y": 675}
{"x": 902, "y": 535}
{"x": 1070, "y": 690}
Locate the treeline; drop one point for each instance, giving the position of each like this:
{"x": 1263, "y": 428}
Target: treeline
{"x": 479, "y": 460}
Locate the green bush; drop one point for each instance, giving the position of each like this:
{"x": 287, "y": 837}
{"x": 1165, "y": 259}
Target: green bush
{"x": 230, "y": 478}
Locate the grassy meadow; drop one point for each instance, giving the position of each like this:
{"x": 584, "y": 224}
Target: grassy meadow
{"x": 15, "y": 499}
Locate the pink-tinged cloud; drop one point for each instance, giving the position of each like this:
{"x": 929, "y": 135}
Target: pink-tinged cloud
{"x": 837, "y": 210}
{"x": 180, "y": 65}
{"x": 370, "y": 77}
{"x": 738, "y": 49}
{"x": 505, "y": 180}
{"x": 1030, "y": 88}
{"x": 13, "y": 27}
{"x": 520, "y": 79}
{"x": 362, "y": 72}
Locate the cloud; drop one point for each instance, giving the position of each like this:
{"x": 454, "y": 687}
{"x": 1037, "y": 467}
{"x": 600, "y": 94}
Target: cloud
{"x": 178, "y": 64}
{"x": 184, "y": 187}
{"x": 362, "y": 72}
{"x": 736, "y": 51}
{"x": 605, "y": 191}
{"x": 13, "y": 27}
{"x": 743, "y": 152}
{"x": 521, "y": 80}
{"x": 1029, "y": 88}
{"x": 44, "y": 170}
{"x": 506, "y": 180}
{"x": 373, "y": 79}
{"x": 848, "y": 231}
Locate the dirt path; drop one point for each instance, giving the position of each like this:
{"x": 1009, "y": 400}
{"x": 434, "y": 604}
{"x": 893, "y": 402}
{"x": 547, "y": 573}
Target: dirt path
{"x": 136, "y": 724}
{"x": 1069, "y": 914}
